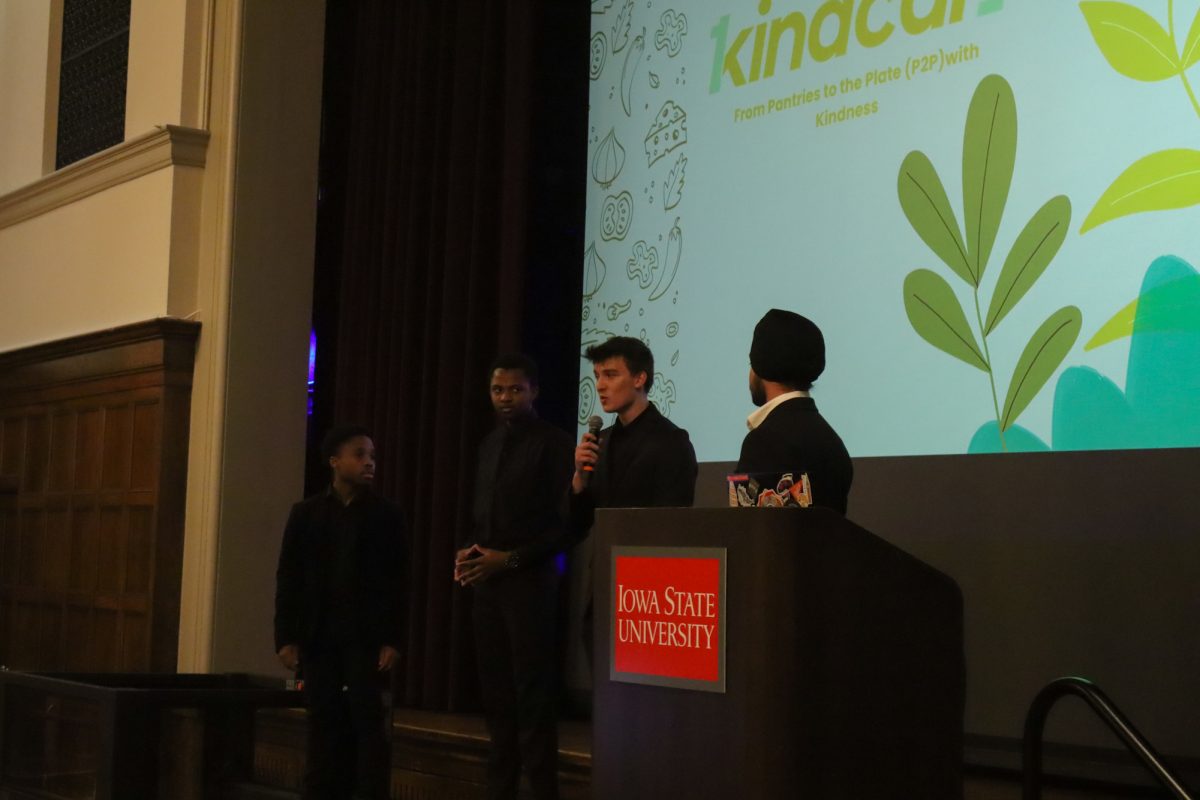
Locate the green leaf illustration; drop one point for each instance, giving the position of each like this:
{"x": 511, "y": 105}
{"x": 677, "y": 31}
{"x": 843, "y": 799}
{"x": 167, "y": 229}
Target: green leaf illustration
{"x": 989, "y": 154}
{"x": 1191, "y": 47}
{"x": 1118, "y": 327}
{"x": 924, "y": 201}
{"x": 1035, "y": 247}
{"x": 1042, "y": 356}
{"x": 1132, "y": 41}
{"x": 937, "y": 316}
{"x": 1163, "y": 180}
{"x": 1167, "y": 308}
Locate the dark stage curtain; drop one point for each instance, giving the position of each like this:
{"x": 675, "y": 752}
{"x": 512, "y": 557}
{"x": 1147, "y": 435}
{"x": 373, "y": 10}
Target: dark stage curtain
{"x": 424, "y": 269}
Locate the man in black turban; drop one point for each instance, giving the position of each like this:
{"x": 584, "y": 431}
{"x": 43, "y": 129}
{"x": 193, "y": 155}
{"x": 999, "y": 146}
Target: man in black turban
{"x": 787, "y": 433}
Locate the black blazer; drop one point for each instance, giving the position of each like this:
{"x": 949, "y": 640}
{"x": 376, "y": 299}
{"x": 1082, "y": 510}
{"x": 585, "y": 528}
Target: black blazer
{"x": 521, "y": 488}
{"x": 379, "y": 561}
{"x": 657, "y": 468}
{"x": 796, "y": 438}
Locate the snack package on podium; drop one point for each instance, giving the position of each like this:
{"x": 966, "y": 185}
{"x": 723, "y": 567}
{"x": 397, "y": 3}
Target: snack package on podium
{"x": 769, "y": 490}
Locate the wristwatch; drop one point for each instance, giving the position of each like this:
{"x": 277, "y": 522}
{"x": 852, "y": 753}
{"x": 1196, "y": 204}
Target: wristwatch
{"x": 512, "y": 560}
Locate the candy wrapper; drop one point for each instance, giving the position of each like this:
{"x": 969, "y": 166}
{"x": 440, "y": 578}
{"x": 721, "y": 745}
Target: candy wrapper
{"x": 773, "y": 491}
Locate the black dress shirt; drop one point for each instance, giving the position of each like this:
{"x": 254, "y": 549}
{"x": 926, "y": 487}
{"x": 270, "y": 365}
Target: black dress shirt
{"x": 796, "y": 438}
{"x": 521, "y": 486}
{"x": 341, "y": 573}
{"x": 648, "y": 463}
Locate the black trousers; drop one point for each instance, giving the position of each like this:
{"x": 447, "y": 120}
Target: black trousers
{"x": 347, "y": 734}
{"x": 515, "y": 618}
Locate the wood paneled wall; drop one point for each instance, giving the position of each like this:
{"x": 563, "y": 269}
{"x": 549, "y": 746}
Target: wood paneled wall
{"x": 93, "y": 439}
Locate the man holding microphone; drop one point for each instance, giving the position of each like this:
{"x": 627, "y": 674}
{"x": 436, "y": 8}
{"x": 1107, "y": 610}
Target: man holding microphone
{"x": 642, "y": 460}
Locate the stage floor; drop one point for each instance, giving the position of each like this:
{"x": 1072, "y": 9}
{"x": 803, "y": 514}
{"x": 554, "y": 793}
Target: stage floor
{"x": 574, "y": 737}
{"x": 440, "y": 756}
{"x": 435, "y": 756}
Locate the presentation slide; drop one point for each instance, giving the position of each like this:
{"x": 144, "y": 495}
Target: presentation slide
{"x": 990, "y": 208}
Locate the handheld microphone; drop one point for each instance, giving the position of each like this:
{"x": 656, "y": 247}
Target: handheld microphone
{"x": 594, "y": 426}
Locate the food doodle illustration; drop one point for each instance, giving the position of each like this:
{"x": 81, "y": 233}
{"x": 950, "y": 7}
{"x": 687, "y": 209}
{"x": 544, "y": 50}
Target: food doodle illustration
{"x": 591, "y": 336}
{"x": 668, "y": 131}
{"x": 670, "y": 261}
{"x": 633, "y": 60}
{"x": 643, "y": 266}
{"x": 608, "y": 160}
{"x": 617, "y": 309}
{"x": 615, "y": 216}
{"x": 594, "y": 271}
{"x": 626, "y": 200}
{"x": 587, "y": 399}
{"x": 673, "y": 185}
{"x": 663, "y": 393}
{"x": 670, "y": 35}
{"x": 599, "y": 56}
{"x": 620, "y": 30}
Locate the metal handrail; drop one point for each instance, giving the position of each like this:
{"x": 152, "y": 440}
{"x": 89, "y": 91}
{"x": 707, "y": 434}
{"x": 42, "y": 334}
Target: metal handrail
{"x": 1035, "y": 724}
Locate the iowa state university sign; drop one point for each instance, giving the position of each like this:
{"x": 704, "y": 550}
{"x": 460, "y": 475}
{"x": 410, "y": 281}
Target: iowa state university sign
{"x": 668, "y": 617}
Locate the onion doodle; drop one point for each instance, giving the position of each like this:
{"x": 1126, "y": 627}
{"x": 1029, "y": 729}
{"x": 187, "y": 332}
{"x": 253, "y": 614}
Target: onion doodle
{"x": 594, "y": 271}
{"x": 608, "y": 160}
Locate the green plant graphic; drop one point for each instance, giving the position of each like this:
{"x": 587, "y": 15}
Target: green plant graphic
{"x": 1137, "y": 46}
{"x": 989, "y": 158}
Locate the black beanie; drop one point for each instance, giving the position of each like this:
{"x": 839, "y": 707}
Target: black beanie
{"x": 787, "y": 348}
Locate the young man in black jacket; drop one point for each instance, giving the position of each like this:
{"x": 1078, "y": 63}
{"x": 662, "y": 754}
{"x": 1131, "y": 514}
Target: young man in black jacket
{"x": 787, "y": 433}
{"x": 338, "y": 618}
{"x": 519, "y": 525}
{"x": 642, "y": 460}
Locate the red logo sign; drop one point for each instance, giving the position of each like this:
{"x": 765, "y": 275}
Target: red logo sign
{"x": 668, "y": 616}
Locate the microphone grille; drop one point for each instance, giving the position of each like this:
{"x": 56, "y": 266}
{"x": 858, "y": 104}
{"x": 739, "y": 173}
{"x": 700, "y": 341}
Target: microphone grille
{"x": 595, "y": 424}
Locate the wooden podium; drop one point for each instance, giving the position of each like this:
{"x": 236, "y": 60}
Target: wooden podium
{"x": 843, "y": 669}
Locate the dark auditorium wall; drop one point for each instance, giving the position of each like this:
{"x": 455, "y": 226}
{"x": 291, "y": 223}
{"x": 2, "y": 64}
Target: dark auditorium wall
{"x": 1070, "y": 564}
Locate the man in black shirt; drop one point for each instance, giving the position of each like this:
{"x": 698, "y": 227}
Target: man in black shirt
{"x": 642, "y": 460}
{"x": 338, "y": 618}
{"x": 519, "y": 525}
{"x": 787, "y": 433}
